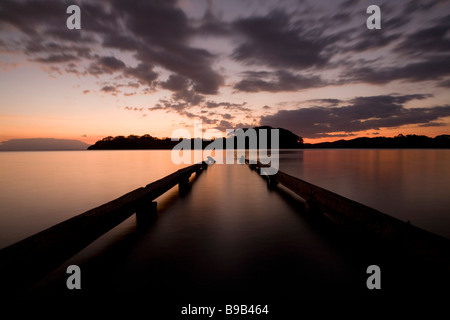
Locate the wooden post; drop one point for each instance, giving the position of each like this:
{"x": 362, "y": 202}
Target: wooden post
{"x": 272, "y": 182}
{"x": 47, "y": 249}
{"x": 147, "y": 212}
{"x": 183, "y": 183}
{"x": 200, "y": 169}
{"x": 312, "y": 206}
{"x": 368, "y": 220}
{"x": 363, "y": 218}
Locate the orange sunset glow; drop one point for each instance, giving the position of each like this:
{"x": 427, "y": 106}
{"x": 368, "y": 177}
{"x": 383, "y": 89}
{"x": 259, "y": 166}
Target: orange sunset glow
{"x": 154, "y": 69}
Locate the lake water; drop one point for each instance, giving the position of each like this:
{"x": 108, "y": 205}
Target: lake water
{"x": 410, "y": 185}
{"x": 40, "y": 189}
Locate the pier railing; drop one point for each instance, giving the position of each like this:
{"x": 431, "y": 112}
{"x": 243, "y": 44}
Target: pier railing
{"x": 364, "y": 219}
{"x": 27, "y": 261}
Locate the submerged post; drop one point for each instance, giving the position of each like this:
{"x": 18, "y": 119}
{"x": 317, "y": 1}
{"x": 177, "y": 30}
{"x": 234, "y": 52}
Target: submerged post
{"x": 183, "y": 183}
{"x": 272, "y": 182}
{"x": 146, "y": 212}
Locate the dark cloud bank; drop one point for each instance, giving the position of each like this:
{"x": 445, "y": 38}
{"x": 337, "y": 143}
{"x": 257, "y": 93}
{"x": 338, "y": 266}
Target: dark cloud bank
{"x": 284, "y": 50}
{"x": 359, "y": 114}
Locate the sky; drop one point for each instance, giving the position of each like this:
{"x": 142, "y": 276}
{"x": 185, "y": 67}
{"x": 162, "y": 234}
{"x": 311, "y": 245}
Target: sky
{"x": 151, "y": 67}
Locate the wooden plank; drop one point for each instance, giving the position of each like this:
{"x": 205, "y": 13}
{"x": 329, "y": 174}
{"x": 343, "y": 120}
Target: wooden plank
{"x": 26, "y": 261}
{"x": 362, "y": 218}
{"x": 368, "y": 220}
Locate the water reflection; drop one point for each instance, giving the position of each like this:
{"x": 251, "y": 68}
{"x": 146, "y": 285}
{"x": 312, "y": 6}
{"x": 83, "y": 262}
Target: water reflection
{"x": 231, "y": 236}
{"x": 407, "y": 184}
{"x": 40, "y": 189}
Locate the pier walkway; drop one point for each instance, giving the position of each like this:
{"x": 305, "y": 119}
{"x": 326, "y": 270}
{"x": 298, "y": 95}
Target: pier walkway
{"x": 230, "y": 237}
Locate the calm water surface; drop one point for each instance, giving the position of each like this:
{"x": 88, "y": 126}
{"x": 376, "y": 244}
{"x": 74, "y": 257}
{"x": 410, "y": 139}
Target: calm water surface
{"x": 410, "y": 185}
{"x": 40, "y": 189}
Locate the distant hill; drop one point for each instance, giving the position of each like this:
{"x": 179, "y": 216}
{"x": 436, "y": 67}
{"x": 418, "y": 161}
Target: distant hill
{"x": 42, "y": 144}
{"x": 398, "y": 142}
{"x": 288, "y": 140}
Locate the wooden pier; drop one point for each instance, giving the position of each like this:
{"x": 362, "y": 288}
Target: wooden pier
{"x": 26, "y": 261}
{"x": 29, "y": 260}
{"x": 363, "y": 219}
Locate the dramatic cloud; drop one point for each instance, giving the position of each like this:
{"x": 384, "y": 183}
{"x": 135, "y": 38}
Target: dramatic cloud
{"x": 214, "y": 55}
{"x": 363, "y": 40}
{"x": 362, "y": 113}
{"x": 282, "y": 81}
{"x": 418, "y": 5}
{"x": 143, "y": 72}
{"x": 163, "y": 31}
{"x": 106, "y": 65}
{"x": 175, "y": 83}
{"x": 211, "y": 25}
{"x": 434, "y": 68}
{"x": 329, "y": 102}
{"x": 434, "y": 39}
{"x": 423, "y": 55}
{"x": 157, "y": 32}
{"x": 227, "y": 105}
{"x": 181, "y": 106}
{"x": 275, "y": 41}
{"x": 369, "y": 41}
{"x": 28, "y": 15}
{"x": 110, "y": 89}
{"x": 34, "y": 47}
{"x": 57, "y": 58}
{"x": 160, "y": 34}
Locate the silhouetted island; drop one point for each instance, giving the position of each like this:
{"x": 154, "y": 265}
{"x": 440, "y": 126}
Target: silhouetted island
{"x": 288, "y": 140}
{"x": 42, "y": 144}
{"x": 401, "y": 141}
